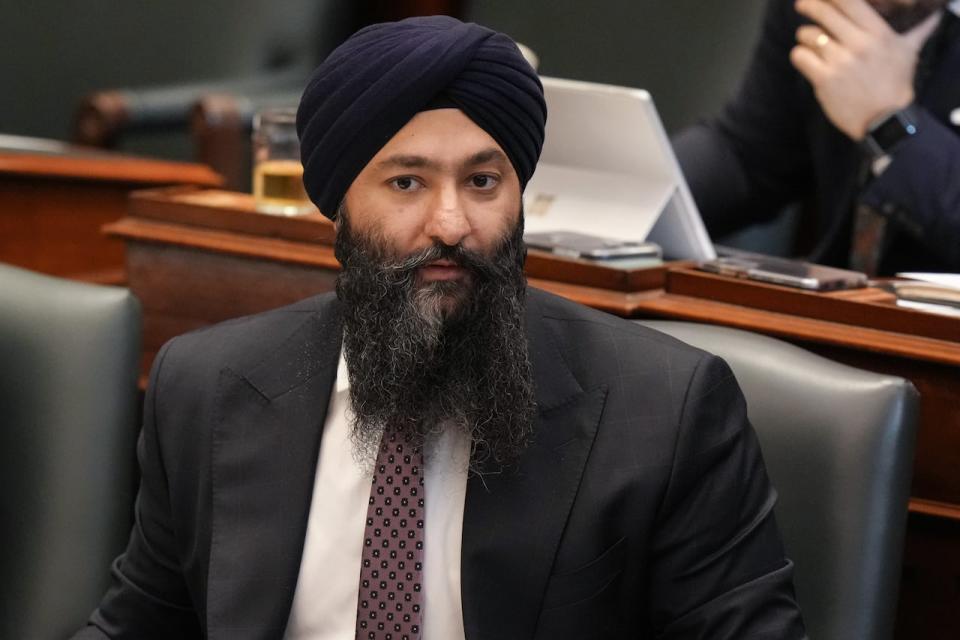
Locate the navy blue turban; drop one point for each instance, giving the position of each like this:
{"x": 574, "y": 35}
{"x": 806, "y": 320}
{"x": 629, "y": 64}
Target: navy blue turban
{"x": 383, "y": 75}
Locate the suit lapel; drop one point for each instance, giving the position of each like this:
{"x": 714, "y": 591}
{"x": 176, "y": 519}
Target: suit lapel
{"x": 513, "y": 521}
{"x": 266, "y": 440}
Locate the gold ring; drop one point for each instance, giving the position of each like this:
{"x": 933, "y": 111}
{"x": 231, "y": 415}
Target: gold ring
{"x": 822, "y": 40}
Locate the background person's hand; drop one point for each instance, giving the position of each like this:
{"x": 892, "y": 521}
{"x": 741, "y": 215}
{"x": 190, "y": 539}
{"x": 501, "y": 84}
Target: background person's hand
{"x": 859, "y": 67}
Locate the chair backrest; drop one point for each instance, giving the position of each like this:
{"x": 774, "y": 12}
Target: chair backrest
{"x": 838, "y": 444}
{"x": 69, "y": 357}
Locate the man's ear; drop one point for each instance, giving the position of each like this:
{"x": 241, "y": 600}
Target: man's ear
{"x": 340, "y": 215}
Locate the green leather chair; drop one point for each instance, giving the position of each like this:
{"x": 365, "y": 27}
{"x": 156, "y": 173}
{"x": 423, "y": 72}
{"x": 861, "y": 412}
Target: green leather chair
{"x": 838, "y": 443}
{"x": 69, "y": 360}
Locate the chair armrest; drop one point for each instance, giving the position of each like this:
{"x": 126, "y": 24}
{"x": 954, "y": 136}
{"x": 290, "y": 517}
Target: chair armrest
{"x": 102, "y": 118}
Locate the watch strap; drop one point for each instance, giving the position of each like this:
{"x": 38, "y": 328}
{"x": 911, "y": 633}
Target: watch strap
{"x": 889, "y": 132}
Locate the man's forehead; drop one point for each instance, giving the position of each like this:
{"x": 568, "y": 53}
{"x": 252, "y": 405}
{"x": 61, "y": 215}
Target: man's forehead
{"x": 439, "y": 137}
{"x": 490, "y": 155}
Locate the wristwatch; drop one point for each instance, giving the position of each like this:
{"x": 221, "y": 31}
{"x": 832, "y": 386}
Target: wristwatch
{"x": 883, "y": 136}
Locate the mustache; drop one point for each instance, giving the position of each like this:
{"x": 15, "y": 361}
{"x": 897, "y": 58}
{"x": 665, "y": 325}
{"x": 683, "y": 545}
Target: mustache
{"x": 460, "y": 256}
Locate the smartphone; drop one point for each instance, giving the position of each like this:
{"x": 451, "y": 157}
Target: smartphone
{"x": 581, "y": 245}
{"x": 791, "y": 273}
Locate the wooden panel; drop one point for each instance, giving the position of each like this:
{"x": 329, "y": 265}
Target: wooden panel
{"x": 866, "y": 307}
{"x": 930, "y": 587}
{"x": 185, "y": 288}
{"x": 55, "y": 199}
{"x": 276, "y": 249}
{"x": 593, "y": 273}
{"x": 55, "y": 227}
{"x": 794, "y": 327}
{"x": 227, "y": 211}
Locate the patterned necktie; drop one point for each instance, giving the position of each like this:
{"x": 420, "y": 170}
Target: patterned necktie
{"x": 390, "y": 603}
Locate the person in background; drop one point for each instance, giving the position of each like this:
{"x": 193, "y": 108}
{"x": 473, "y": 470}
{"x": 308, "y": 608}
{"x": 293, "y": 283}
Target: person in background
{"x": 436, "y": 450}
{"x": 853, "y": 106}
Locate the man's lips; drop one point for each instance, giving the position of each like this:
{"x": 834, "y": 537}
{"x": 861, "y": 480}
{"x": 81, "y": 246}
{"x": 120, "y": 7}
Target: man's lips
{"x": 441, "y": 270}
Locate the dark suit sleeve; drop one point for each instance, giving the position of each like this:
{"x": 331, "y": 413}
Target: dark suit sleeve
{"x": 148, "y": 597}
{"x": 920, "y": 189}
{"x": 749, "y": 162}
{"x": 718, "y": 568}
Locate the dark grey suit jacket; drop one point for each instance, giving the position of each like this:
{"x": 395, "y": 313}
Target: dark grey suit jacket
{"x": 642, "y": 509}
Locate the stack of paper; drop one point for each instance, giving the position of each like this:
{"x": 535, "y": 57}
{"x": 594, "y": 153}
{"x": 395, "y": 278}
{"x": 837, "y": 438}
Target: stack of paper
{"x": 936, "y": 292}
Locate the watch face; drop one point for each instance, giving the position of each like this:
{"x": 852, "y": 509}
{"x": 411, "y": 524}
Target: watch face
{"x": 892, "y": 130}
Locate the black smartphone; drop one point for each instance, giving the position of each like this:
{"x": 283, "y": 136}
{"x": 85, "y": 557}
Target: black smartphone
{"x": 791, "y": 273}
{"x": 581, "y": 245}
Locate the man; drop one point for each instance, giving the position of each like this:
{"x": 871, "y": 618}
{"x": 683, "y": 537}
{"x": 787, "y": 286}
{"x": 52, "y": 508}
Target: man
{"x": 855, "y": 105}
{"x": 437, "y": 452}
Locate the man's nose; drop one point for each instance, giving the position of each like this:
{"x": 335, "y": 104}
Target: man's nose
{"x": 447, "y": 222}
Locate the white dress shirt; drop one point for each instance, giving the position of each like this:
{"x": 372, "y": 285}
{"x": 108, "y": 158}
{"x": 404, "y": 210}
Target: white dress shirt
{"x": 325, "y": 602}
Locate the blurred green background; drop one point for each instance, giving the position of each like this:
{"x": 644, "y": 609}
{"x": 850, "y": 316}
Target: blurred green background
{"x": 687, "y": 53}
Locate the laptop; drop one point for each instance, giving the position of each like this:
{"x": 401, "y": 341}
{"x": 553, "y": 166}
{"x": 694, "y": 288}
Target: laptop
{"x": 607, "y": 169}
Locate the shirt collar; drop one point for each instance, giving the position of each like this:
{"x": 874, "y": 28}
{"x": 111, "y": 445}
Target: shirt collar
{"x": 343, "y": 381}
{"x": 954, "y": 6}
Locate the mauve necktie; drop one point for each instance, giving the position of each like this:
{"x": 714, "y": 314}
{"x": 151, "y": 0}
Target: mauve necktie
{"x": 390, "y": 603}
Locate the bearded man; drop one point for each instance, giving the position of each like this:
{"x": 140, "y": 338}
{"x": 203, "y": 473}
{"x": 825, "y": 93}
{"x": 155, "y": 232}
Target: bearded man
{"x": 437, "y": 451}
{"x": 852, "y": 107}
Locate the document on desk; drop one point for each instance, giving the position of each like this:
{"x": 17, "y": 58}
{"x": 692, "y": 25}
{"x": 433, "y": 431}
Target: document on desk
{"x": 951, "y": 280}
{"x": 933, "y": 292}
{"x": 929, "y": 307}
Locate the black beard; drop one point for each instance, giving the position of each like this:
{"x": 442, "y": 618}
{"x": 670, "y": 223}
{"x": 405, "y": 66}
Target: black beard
{"x": 425, "y": 357}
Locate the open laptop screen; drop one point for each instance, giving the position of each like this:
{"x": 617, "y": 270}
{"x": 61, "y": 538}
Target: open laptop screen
{"x": 608, "y": 169}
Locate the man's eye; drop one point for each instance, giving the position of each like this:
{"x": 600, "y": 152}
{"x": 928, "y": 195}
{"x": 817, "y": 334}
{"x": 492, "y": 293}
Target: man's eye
{"x": 405, "y": 183}
{"x": 483, "y": 181}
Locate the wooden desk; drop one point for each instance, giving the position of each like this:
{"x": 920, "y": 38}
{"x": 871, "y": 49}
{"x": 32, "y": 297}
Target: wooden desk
{"x": 198, "y": 257}
{"x": 55, "y": 198}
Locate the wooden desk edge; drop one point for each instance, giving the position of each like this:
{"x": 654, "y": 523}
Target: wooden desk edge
{"x": 653, "y": 302}
{"x": 107, "y": 169}
{"x": 934, "y": 508}
{"x": 279, "y": 250}
{"x": 673, "y": 306}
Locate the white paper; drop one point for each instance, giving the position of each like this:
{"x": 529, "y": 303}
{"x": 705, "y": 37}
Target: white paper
{"x": 929, "y": 307}
{"x": 951, "y": 280}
